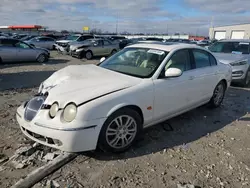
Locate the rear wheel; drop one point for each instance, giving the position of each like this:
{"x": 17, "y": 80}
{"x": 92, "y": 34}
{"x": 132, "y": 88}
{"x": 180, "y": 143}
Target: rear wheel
{"x": 218, "y": 95}
{"x": 120, "y": 130}
{"x": 89, "y": 55}
{"x": 42, "y": 58}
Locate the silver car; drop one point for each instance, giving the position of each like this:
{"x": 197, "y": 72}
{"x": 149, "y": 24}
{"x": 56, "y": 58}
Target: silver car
{"x": 13, "y": 50}
{"x": 42, "y": 42}
{"x": 235, "y": 53}
{"x": 93, "y": 47}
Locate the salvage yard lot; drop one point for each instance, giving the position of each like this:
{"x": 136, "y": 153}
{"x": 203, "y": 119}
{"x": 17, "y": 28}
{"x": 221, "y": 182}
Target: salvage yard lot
{"x": 206, "y": 148}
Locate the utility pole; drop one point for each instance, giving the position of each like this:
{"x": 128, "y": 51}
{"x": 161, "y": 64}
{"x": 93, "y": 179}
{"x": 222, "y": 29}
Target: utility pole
{"x": 117, "y": 24}
{"x": 212, "y": 28}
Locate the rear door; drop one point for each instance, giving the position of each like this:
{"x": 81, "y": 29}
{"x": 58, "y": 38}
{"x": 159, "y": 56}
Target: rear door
{"x": 49, "y": 42}
{"x": 98, "y": 48}
{"x": 206, "y": 74}
{"x": 108, "y": 47}
{"x": 8, "y": 52}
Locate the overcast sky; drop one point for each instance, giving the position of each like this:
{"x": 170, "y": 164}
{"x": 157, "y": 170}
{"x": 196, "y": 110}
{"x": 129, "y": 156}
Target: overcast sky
{"x": 146, "y": 16}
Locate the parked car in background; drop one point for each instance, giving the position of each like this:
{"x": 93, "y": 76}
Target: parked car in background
{"x": 154, "y": 39}
{"x": 42, "y": 42}
{"x": 236, "y": 54}
{"x": 29, "y": 37}
{"x": 116, "y": 38}
{"x": 19, "y": 36}
{"x": 203, "y": 43}
{"x": 62, "y": 45}
{"x": 82, "y": 107}
{"x": 94, "y": 47}
{"x": 13, "y": 50}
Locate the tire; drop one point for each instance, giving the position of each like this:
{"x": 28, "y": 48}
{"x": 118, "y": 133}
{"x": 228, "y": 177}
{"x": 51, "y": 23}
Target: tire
{"x": 115, "y": 142}
{"x": 113, "y": 52}
{"x": 218, "y": 95}
{"x": 42, "y": 58}
{"x": 246, "y": 80}
{"x": 89, "y": 55}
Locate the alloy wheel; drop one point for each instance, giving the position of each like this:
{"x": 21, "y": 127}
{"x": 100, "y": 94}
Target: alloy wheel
{"x": 121, "y": 131}
{"x": 218, "y": 94}
{"x": 41, "y": 58}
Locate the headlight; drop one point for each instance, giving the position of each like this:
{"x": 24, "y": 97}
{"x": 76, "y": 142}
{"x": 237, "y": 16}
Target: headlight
{"x": 79, "y": 49}
{"x": 69, "y": 112}
{"x": 239, "y": 63}
{"x": 53, "y": 110}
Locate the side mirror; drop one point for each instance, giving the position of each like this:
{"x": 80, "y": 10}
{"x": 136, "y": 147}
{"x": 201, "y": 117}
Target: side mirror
{"x": 102, "y": 59}
{"x": 173, "y": 72}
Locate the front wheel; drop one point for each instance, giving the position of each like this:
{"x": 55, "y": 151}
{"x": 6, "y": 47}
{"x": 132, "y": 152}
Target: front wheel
{"x": 89, "y": 55}
{"x": 120, "y": 131}
{"x": 42, "y": 58}
{"x": 218, "y": 95}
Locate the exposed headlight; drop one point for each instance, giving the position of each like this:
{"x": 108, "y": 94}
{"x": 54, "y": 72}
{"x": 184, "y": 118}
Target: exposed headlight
{"x": 239, "y": 63}
{"x": 69, "y": 112}
{"x": 53, "y": 110}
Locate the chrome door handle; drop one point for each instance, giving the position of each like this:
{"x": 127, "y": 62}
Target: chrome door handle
{"x": 191, "y": 77}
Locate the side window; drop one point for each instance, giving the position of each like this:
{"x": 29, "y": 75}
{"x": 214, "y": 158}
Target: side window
{"x": 201, "y": 59}
{"x": 100, "y": 43}
{"x": 22, "y": 45}
{"x": 81, "y": 38}
{"x": 106, "y": 42}
{"x": 180, "y": 60}
{"x": 213, "y": 61}
{"x": 228, "y": 47}
{"x": 7, "y": 43}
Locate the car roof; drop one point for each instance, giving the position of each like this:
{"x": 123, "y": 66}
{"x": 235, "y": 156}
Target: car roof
{"x": 165, "y": 47}
{"x": 234, "y": 40}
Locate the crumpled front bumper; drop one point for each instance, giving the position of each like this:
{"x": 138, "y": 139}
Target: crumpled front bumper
{"x": 78, "y": 139}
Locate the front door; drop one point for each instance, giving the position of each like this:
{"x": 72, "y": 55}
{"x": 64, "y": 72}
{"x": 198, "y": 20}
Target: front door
{"x": 174, "y": 95}
{"x": 25, "y": 52}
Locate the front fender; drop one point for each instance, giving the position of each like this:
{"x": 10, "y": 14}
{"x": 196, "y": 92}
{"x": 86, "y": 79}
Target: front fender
{"x": 119, "y": 106}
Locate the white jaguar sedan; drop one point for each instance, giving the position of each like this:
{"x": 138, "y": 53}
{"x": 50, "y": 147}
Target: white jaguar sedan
{"x": 82, "y": 107}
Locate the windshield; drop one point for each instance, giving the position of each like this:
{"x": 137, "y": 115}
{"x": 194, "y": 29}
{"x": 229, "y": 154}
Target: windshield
{"x": 138, "y": 62}
{"x": 72, "y": 37}
{"x": 230, "y": 47}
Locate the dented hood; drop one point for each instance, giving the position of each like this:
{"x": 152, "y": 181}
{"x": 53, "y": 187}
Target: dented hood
{"x": 80, "y": 83}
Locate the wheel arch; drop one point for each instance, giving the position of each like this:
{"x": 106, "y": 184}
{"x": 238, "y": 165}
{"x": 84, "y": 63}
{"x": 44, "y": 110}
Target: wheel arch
{"x": 225, "y": 82}
{"x": 130, "y": 106}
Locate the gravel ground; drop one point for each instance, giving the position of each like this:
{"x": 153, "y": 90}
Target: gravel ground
{"x": 206, "y": 148}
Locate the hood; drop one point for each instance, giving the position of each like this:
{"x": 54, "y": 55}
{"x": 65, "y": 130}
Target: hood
{"x": 228, "y": 58}
{"x": 80, "y": 83}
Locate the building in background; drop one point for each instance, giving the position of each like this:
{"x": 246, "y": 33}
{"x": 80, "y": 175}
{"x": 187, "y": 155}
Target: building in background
{"x": 23, "y": 28}
{"x": 239, "y": 31}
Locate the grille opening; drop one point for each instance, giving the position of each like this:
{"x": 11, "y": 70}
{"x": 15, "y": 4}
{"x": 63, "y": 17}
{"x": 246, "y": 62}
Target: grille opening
{"x": 43, "y": 138}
